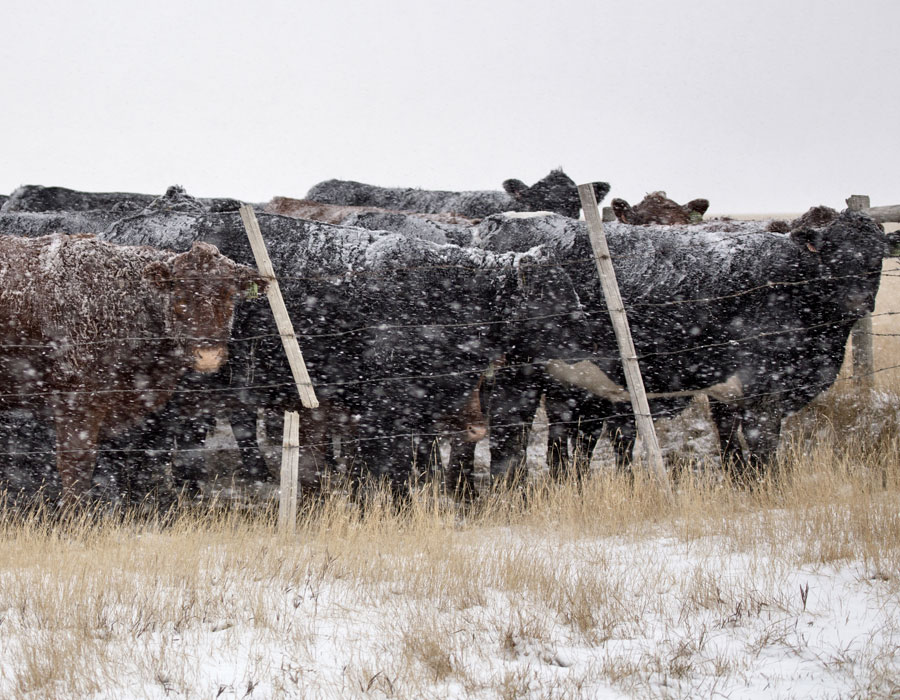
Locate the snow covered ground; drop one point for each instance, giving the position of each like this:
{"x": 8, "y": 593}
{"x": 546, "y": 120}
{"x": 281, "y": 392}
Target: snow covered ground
{"x": 791, "y": 602}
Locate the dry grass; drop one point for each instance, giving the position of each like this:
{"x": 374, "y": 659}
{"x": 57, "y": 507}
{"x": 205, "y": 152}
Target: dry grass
{"x": 554, "y": 591}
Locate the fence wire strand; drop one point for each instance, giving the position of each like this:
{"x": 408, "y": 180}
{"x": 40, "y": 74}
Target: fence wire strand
{"x": 473, "y": 372}
{"x": 449, "y": 433}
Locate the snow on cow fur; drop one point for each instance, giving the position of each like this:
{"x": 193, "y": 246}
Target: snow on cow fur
{"x": 97, "y": 335}
{"x": 715, "y": 302}
{"x": 556, "y": 192}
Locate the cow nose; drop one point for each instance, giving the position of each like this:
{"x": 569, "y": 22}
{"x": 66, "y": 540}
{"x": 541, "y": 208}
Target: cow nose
{"x": 476, "y": 432}
{"x": 209, "y": 359}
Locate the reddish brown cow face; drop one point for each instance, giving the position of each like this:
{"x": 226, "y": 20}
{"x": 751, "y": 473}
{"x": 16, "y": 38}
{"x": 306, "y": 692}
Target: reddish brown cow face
{"x": 656, "y": 208}
{"x": 203, "y": 286}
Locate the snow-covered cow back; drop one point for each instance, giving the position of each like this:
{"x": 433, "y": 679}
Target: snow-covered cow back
{"x": 556, "y": 192}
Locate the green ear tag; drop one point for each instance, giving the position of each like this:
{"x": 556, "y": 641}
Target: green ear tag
{"x": 252, "y": 292}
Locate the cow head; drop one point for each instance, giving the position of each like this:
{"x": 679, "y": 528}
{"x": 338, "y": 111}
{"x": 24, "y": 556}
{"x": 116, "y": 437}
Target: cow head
{"x": 557, "y": 193}
{"x": 656, "y": 208}
{"x": 201, "y": 289}
{"x": 845, "y": 257}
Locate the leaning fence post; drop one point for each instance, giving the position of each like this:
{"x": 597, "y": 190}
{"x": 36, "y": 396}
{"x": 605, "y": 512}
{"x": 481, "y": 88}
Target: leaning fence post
{"x": 635, "y": 382}
{"x": 279, "y": 310}
{"x": 290, "y": 459}
{"x": 861, "y": 345}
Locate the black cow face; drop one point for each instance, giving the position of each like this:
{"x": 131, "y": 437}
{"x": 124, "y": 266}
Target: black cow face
{"x": 850, "y": 255}
{"x": 557, "y": 193}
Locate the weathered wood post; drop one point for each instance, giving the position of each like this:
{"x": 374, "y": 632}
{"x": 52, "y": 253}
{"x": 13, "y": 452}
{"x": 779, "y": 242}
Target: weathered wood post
{"x": 646, "y": 432}
{"x": 290, "y": 460}
{"x": 858, "y": 202}
{"x": 290, "y": 455}
{"x": 279, "y": 310}
{"x": 861, "y": 344}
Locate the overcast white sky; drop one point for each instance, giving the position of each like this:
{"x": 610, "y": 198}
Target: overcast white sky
{"x": 769, "y": 105}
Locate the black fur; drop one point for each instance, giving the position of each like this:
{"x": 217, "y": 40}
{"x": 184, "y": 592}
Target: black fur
{"x": 775, "y": 310}
{"x": 556, "y": 192}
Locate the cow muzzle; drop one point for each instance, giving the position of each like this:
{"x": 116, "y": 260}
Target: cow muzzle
{"x": 475, "y": 431}
{"x": 209, "y": 359}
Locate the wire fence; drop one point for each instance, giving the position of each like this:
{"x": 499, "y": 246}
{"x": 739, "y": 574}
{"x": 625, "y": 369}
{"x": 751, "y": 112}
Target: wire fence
{"x": 473, "y": 372}
{"x": 449, "y": 433}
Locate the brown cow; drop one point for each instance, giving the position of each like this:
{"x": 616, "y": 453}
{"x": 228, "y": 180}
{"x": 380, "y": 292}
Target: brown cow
{"x": 97, "y": 335}
{"x": 337, "y": 213}
{"x": 656, "y": 208}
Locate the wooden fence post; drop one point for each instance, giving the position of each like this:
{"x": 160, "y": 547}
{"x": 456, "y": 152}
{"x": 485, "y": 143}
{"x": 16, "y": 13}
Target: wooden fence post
{"x": 646, "y": 431}
{"x": 279, "y": 310}
{"x": 861, "y": 345}
{"x": 290, "y": 459}
{"x": 858, "y": 202}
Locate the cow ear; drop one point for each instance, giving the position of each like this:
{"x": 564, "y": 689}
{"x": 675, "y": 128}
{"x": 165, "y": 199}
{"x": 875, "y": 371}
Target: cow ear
{"x": 621, "y": 208}
{"x": 514, "y": 188}
{"x": 203, "y": 250}
{"x": 808, "y": 237}
{"x": 158, "y": 274}
{"x": 601, "y": 189}
{"x": 698, "y": 206}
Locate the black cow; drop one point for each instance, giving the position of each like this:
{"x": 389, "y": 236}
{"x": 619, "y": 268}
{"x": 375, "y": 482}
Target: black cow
{"x": 440, "y": 228}
{"x": 177, "y": 219}
{"x": 757, "y": 319}
{"x": 396, "y": 331}
{"x": 556, "y": 192}
{"x": 37, "y": 199}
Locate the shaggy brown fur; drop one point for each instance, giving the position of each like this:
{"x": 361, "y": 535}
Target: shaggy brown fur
{"x": 656, "y": 208}
{"x": 97, "y": 335}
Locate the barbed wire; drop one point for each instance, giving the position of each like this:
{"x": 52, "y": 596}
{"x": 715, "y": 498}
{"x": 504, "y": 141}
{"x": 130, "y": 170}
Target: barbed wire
{"x": 385, "y": 274}
{"x": 449, "y": 433}
{"x": 476, "y": 371}
{"x": 382, "y": 326}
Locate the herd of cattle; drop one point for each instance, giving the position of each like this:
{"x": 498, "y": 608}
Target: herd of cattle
{"x": 419, "y": 314}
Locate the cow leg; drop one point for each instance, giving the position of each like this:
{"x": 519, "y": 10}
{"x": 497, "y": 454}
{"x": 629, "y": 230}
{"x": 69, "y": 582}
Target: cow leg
{"x": 390, "y": 460}
{"x": 459, "y": 477}
{"x": 139, "y": 458}
{"x": 428, "y": 457}
{"x": 382, "y": 449}
{"x": 727, "y": 420}
{"x": 513, "y": 405}
{"x": 188, "y": 433}
{"x": 558, "y": 456}
{"x": 318, "y": 428}
{"x": 624, "y": 432}
{"x": 243, "y": 425}
{"x": 561, "y": 404}
{"x": 762, "y": 430}
{"x": 26, "y": 452}
{"x": 77, "y": 433}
